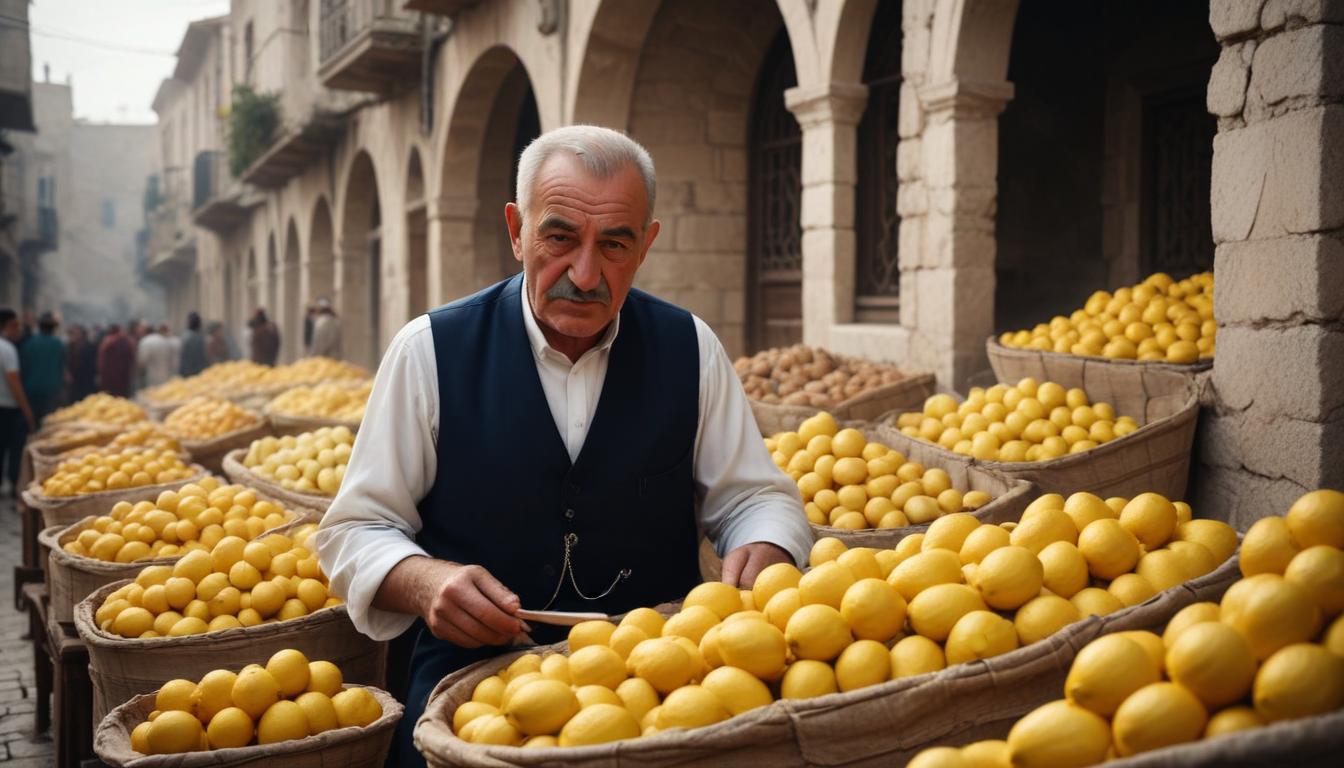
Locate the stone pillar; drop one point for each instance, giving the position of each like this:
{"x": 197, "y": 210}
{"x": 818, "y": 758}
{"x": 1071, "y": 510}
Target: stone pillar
{"x": 1274, "y": 420}
{"x": 451, "y": 268}
{"x": 829, "y": 116}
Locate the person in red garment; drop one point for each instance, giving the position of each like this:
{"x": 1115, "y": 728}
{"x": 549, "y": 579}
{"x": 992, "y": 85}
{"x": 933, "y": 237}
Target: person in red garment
{"x": 116, "y": 362}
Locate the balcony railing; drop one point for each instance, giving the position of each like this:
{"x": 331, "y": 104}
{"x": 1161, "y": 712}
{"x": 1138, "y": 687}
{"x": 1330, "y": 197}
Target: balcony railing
{"x": 48, "y": 228}
{"x": 214, "y": 194}
{"x": 367, "y": 45}
{"x": 441, "y": 7}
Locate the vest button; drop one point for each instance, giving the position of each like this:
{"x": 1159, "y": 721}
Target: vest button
{"x": 569, "y": 514}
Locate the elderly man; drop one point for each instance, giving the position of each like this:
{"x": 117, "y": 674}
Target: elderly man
{"x": 556, "y": 441}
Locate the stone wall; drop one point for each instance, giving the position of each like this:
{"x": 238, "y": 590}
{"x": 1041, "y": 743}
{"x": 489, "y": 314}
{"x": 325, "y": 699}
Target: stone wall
{"x": 1274, "y": 420}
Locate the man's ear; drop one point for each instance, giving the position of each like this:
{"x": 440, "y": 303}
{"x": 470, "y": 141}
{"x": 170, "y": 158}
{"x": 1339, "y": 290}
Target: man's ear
{"x": 513, "y": 218}
{"x": 650, "y": 234}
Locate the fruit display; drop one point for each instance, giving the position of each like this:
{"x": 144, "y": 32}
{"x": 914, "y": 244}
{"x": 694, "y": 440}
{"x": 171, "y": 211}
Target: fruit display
{"x": 1027, "y": 421}
{"x": 147, "y": 434}
{"x": 218, "y": 379}
{"x": 309, "y": 370}
{"x": 860, "y": 617}
{"x": 205, "y": 418}
{"x": 1271, "y": 650}
{"x": 287, "y": 699}
{"x": 851, "y": 483}
{"x": 324, "y": 401}
{"x": 236, "y": 583}
{"x": 98, "y": 408}
{"x": 1159, "y": 319}
{"x": 811, "y": 376}
{"x": 116, "y": 468}
{"x": 195, "y": 517}
{"x": 313, "y": 462}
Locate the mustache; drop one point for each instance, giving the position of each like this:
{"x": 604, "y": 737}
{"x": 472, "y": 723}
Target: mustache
{"x": 565, "y": 289}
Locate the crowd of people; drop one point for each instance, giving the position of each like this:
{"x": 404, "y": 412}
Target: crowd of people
{"x": 43, "y": 370}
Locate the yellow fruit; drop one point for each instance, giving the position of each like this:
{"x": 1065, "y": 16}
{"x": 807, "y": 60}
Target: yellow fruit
{"x": 1058, "y": 735}
{"x": 873, "y": 609}
{"x": 755, "y": 646}
{"x": 1187, "y": 617}
{"x": 1155, "y": 716}
{"x": 1333, "y": 638}
{"x": 848, "y": 442}
{"x": 174, "y": 732}
{"x": 1064, "y": 569}
{"x": 492, "y": 729}
{"x": 737, "y": 689}
{"x": 587, "y": 633}
{"x": 213, "y": 694}
{"x": 661, "y": 661}
{"x": 938, "y": 757}
{"x": 133, "y": 622}
{"x": 1220, "y": 538}
{"x": 1009, "y": 576}
{"x": 722, "y": 599}
{"x": 597, "y": 665}
{"x": 1110, "y": 549}
{"x": 863, "y": 663}
{"x": 826, "y": 549}
{"x": 488, "y": 691}
{"x": 817, "y": 632}
{"x": 1299, "y": 680}
{"x": 1093, "y": 601}
{"x": 320, "y": 713}
{"x": 1214, "y": 661}
{"x": 781, "y": 606}
{"x": 622, "y": 641}
{"x": 325, "y": 677}
{"x": 283, "y": 721}
{"x": 808, "y": 679}
{"x": 1084, "y": 507}
{"x": 254, "y": 691}
{"x": 599, "y": 724}
{"x": 1151, "y": 518}
{"x": 1043, "y": 526}
{"x": 176, "y": 695}
{"x": 1231, "y": 720}
{"x": 290, "y": 670}
{"x": 1194, "y": 558}
{"x": 861, "y": 562}
{"x": 638, "y": 696}
{"x": 1319, "y": 570}
{"x": 825, "y": 585}
{"x": 1162, "y": 568}
{"x": 691, "y": 623}
{"x": 542, "y": 707}
{"x": 916, "y": 655}
{"x": 822, "y": 423}
{"x": 1317, "y": 518}
{"x": 589, "y": 695}
{"x": 1270, "y": 612}
{"x": 991, "y": 753}
{"x": 691, "y": 706}
{"x": 1267, "y": 547}
{"x": 981, "y": 542}
{"x": 1106, "y": 672}
{"x": 937, "y": 609}
{"x": 1131, "y": 589}
{"x": 652, "y": 622}
{"x": 950, "y": 531}
{"x": 356, "y": 707}
{"x": 1151, "y": 645}
{"x": 1042, "y": 617}
{"x": 924, "y": 570}
{"x": 528, "y": 662}
{"x": 980, "y": 635}
{"x": 772, "y": 580}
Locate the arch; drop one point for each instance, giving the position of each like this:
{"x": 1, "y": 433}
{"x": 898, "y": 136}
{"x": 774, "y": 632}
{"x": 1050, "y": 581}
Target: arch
{"x": 611, "y": 54}
{"x": 876, "y": 220}
{"x": 971, "y": 41}
{"x": 359, "y": 266}
{"x": 251, "y": 293}
{"x": 849, "y": 36}
{"x": 417, "y": 232}
{"x": 272, "y": 300}
{"x": 288, "y": 315}
{"x": 319, "y": 268}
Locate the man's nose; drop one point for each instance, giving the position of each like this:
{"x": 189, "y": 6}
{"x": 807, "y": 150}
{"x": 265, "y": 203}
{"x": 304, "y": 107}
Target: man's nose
{"x": 585, "y": 268}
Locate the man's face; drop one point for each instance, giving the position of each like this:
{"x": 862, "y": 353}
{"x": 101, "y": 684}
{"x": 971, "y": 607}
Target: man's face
{"x": 12, "y": 330}
{"x": 581, "y": 244}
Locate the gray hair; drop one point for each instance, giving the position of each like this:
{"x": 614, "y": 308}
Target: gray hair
{"x": 604, "y": 153}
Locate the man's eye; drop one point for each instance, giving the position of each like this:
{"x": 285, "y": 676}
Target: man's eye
{"x": 614, "y": 244}
{"x": 559, "y": 238}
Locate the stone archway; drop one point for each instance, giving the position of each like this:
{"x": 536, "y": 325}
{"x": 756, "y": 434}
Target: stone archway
{"x": 417, "y": 230}
{"x": 289, "y": 314}
{"x": 271, "y": 303}
{"x": 359, "y": 264}
{"x": 319, "y": 264}
{"x": 250, "y": 299}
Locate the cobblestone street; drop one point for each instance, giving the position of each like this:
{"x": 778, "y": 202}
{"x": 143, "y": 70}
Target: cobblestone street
{"x": 18, "y": 747}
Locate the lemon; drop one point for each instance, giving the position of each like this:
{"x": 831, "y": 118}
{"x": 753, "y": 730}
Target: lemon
{"x": 772, "y": 580}
{"x": 1131, "y": 589}
{"x": 1187, "y": 617}
{"x": 599, "y": 724}
{"x": 542, "y": 707}
{"x": 528, "y": 662}
{"x": 661, "y": 660}
{"x": 782, "y": 605}
{"x": 934, "y": 611}
{"x": 991, "y": 753}
{"x": 1317, "y": 518}
{"x": 1194, "y": 558}
{"x": 1110, "y": 549}
{"x": 283, "y": 721}
{"x": 980, "y": 635}
{"x": 638, "y": 696}
{"x": 861, "y": 664}
{"x": 690, "y": 706}
{"x": 290, "y": 670}
{"x": 488, "y": 691}
{"x": 924, "y": 570}
{"x": 825, "y": 550}
{"x": 1319, "y": 569}
{"x": 1214, "y": 661}
{"x": 1162, "y": 568}
{"x": 722, "y": 599}
{"x": 541, "y": 742}
{"x": 1042, "y": 617}
{"x": 737, "y": 689}
{"x": 194, "y": 566}
{"x": 464, "y": 714}
{"x": 1009, "y": 576}
{"x": 652, "y": 622}
{"x": 982, "y": 541}
{"x": 1155, "y": 716}
{"x": 356, "y": 707}
{"x": 848, "y": 442}
{"x": 174, "y": 732}
{"x": 133, "y": 622}
{"x": 916, "y": 655}
{"x": 950, "y": 531}
{"x": 822, "y": 423}
{"x": 825, "y": 585}
{"x": 1084, "y": 507}
{"x": 1107, "y": 671}
{"x": 1094, "y": 601}
{"x": 861, "y": 563}
{"x": 587, "y": 633}
{"x": 1267, "y": 547}
{"x": 938, "y": 757}
{"x": 1299, "y": 680}
{"x": 1151, "y": 518}
{"x": 622, "y": 641}
{"x": 1151, "y": 645}
{"x": 254, "y": 691}
{"x": 140, "y": 738}
{"x": 600, "y": 665}
{"x": 588, "y": 695}
{"x": 1219, "y": 537}
{"x": 1058, "y": 735}
{"x": 808, "y": 679}
{"x": 873, "y": 609}
{"x": 817, "y": 632}
{"x": 1333, "y": 639}
{"x": 176, "y": 695}
{"x": 213, "y": 694}
{"x": 755, "y": 646}
{"x": 1042, "y": 527}
{"x": 1063, "y": 569}
{"x": 493, "y": 729}
{"x": 691, "y": 623}
{"x": 1270, "y": 612}
{"x": 1231, "y": 720}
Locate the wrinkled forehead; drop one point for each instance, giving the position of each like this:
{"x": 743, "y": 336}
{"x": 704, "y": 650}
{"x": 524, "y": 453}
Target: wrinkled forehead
{"x": 565, "y": 185}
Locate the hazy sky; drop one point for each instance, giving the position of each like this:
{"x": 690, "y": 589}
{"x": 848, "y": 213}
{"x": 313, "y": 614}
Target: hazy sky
{"x": 115, "y": 51}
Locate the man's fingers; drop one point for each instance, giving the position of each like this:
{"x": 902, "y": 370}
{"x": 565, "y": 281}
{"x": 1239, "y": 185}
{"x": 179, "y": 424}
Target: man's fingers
{"x": 484, "y": 610}
{"x": 446, "y": 631}
{"x": 732, "y": 566}
{"x": 756, "y": 562}
{"x": 473, "y": 627}
{"x": 499, "y": 594}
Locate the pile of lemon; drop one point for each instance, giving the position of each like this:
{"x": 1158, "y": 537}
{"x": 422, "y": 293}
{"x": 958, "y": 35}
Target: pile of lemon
{"x": 195, "y": 517}
{"x": 324, "y": 401}
{"x": 99, "y": 408}
{"x": 219, "y": 379}
{"x": 207, "y": 417}
{"x": 289, "y": 698}
{"x": 116, "y": 468}
{"x": 1259, "y": 656}
{"x": 236, "y": 584}
{"x": 146, "y": 434}
{"x": 308, "y": 370}
{"x": 313, "y": 462}
{"x": 1158, "y": 319}
{"x": 859, "y": 617}
{"x": 1027, "y": 421}
{"x": 851, "y": 483}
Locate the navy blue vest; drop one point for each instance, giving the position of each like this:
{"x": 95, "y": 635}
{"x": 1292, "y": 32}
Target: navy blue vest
{"x": 506, "y": 495}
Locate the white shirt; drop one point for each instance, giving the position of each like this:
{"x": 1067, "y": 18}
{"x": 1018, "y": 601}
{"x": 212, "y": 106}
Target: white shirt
{"x": 742, "y": 495}
{"x": 156, "y": 357}
{"x": 9, "y": 363}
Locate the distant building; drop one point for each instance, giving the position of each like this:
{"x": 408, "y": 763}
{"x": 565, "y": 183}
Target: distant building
{"x": 18, "y": 218}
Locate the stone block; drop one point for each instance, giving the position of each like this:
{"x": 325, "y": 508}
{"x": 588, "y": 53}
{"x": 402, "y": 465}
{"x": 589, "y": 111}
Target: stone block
{"x": 884, "y": 342}
{"x": 1295, "y": 64}
{"x": 718, "y": 197}
{"x": 1278, "y": 13}
{"x": 1232, "y": 18}
{"x": 912, "y": 200}
{"x": 1227, "y": 83}
{"x": 828, "y": 205}
{"x": 910, "y": 115}
{"x": 661, "y": 127}
{"x": 683, "y": 162}
{"x": 1291, "y": 279}
{"x": 730, "y": 165}
{"x": 909, "y": 160}
{"x": 674, "y": 197}
{"x": 711, "y": 233}
{"x": 1238, "y": 497}
{"x": 734, "y": 303}
{"x": 1290, "y": 372}
{"x": 702, "y": 302}
{"x": 727, "y": 128}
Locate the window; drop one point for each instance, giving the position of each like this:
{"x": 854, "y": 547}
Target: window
{"x": 109, "y": 213}
{"x": 876, "y": 224}
{"x": 247, "y": 52}
{"x": 46, "y": 192}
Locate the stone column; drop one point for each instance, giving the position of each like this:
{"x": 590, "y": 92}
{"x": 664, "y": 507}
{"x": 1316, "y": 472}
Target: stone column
{"x": 450, "y": 271}
{"x": 1274, "y": 420}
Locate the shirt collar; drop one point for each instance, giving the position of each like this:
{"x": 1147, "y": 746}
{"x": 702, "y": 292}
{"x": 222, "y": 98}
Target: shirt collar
{"x": 537, "y": 339}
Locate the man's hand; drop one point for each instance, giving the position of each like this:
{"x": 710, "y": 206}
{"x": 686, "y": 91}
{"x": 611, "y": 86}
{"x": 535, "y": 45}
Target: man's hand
{"x": 743, "y": 564}
{"x": 462, "y": 604}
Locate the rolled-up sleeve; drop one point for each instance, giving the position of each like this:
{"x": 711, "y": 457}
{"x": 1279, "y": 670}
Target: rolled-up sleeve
{"x": 372, "y": 522}
{"x": 745, "y": 498}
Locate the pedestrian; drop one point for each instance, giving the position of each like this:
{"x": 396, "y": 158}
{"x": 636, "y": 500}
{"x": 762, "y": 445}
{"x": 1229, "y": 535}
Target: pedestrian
{"x": 16, "y": 415}
{"x": 194, "y": 358}
{"x": 326, "y": 331}
{"x": 216, "y": 346}
{"x": 154, "y": 358}
{"x": 309, "y": 317}
{"x": 265, "y": 339}
{"x": 175, "y": 343}
{"x": 116, "y": 362}
{"x": 81, "y": 363}
{"x": 42, "y": 358}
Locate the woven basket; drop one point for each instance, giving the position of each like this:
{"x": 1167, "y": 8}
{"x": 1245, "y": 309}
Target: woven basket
{"x": 1311, "y": 741}
{"x": 41, "y": 455}
{"x": 904, "y": 395}
{"x": 345, "y": 747}
{"x": 233, "y": 467}
{"x": 210, "y": 453}
{"x": 68, "y": 510}
{"x": 882, "y": 725}
{"x": 125, "y": 667}
{"x": 282, "y": 424}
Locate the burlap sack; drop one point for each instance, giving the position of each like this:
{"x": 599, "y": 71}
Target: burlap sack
{"x": 67, "y": 510}
{"x": 341, "y": 748}
{"x": 282, "y": 424}
{"x": 907, "y": 394}
{"x": 124, "y": 667}
{"x": 42, "y": 454}
{"x": 210, "y": 453}
{"x": 882, "y": 725}
{"x": 233, "y": 467}
{"x": 1118, "y": 382}
{"x": 1311, "y": 741}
